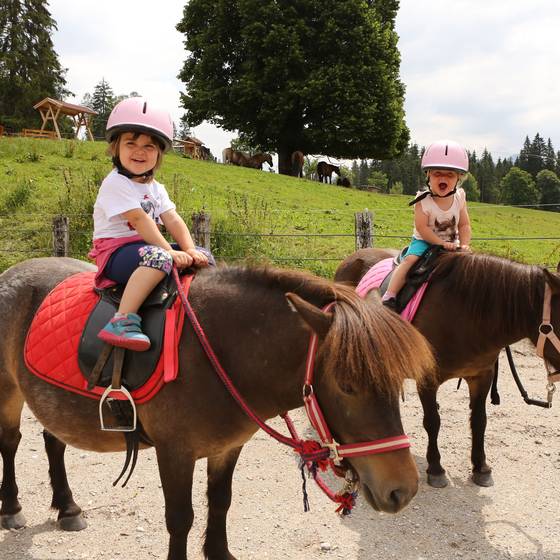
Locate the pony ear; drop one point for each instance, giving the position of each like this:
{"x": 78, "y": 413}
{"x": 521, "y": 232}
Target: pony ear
{"x": 553, "y": 281}
{"x": 317, "y": 319}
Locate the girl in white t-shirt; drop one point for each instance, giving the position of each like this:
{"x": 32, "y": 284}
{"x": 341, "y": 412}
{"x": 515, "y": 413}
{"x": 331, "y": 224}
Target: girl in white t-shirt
{"x": 128, "y": 246}
{"x": 440, "y": 213}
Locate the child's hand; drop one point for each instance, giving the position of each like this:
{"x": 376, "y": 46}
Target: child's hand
{"x": 198, "y": 257}
{"x": 449, "y": 246}
{"x": 181, "y": 259}
{"x": 466, "y": 248}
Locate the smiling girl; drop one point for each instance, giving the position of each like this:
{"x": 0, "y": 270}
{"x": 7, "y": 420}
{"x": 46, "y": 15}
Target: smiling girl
{"x": 131, "y": 205}
{"x": 440, "y": 213}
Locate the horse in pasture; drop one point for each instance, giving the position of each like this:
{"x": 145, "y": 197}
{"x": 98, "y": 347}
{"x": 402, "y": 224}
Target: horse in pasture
{"x": 325, "y": 171}
{"x": 229, "y": 155}
{"x": 297, "y": 159}
{"x": 259, "y": 321}
{"x": 474, "y": 306}
{"x": 256, "y": 161}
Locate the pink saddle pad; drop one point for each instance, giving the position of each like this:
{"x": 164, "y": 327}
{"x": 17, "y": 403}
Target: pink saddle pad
{"x": 374, "y": 278}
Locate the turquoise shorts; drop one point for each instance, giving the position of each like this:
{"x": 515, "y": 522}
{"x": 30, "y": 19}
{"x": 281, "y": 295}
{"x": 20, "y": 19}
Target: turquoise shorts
{"x": 417, "y": 247}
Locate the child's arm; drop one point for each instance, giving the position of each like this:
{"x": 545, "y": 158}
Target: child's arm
{"x": 464, "y": 228}
{"x": 421, "y": 223}
{"x": 177, "y": 228}
{"x": 149, "y": 232}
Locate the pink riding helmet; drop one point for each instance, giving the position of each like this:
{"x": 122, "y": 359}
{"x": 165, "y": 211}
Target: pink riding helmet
{"x": 137, "y": 114}
{"x": 445, "y": 154}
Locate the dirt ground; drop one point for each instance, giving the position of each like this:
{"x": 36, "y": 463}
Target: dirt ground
{"x": 518, "y": 518}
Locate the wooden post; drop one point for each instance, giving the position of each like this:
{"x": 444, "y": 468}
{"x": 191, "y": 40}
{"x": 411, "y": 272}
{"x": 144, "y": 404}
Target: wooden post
{"x": 61, "y": 236}
{"x": 364, "y": 229}
{"x": 201, "y": 229}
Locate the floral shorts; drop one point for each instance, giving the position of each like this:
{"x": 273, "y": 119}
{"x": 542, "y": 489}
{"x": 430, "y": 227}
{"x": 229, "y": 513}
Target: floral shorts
{"x": 155, "y": 257}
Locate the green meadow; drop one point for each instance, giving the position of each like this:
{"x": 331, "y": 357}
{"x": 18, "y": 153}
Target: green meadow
{"x": 255, "y": 215}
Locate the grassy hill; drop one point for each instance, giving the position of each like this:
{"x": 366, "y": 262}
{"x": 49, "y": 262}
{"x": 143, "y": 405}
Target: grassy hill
{"x": 305, "y": 224}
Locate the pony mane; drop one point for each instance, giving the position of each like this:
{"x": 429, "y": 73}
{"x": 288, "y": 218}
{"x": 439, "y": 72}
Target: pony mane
{"x": 367, "y": 345}
{"x": 508, "y": 291}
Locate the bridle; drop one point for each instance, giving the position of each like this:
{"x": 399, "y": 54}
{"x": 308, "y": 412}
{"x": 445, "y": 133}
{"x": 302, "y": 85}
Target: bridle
{"x": 546, "y": 332}
{"x": 314, "y": 455}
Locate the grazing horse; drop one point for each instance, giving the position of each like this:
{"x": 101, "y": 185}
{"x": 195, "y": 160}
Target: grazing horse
{"x": 325, "y": 171}
{"x": 297, "y": 160}
{"x": 229, "y": 155}
{"x": 474, "y": 306}
{"x": 256, "y": 161}
{"x": 259, "y": 322}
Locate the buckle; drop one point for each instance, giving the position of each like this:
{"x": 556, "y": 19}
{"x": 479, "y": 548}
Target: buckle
{"x": 333, "y": 455}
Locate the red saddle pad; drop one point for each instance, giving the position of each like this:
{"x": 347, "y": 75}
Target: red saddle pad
{"x": 51, "y": 346}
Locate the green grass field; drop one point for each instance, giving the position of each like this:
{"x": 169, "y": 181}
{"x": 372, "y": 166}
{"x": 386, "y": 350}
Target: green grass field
{"x": 305, "y": 224}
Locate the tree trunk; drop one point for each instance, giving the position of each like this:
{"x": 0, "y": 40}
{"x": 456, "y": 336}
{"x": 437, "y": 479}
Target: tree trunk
{"x": 285, "y": 161}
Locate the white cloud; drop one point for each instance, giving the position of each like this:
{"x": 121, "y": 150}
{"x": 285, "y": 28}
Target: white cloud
{"x": 483, "y": 72}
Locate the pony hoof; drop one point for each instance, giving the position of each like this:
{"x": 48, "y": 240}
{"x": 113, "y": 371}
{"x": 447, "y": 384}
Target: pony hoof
{"x": 438, "y": 480}
{"x": 73, "y": 523}
{"x": 483, "y": 479}
{"x": 15, "y": 521}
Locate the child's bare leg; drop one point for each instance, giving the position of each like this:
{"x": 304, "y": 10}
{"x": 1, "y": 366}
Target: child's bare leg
{"x": 398, "y": 278}
{"x": 139, "y": 286}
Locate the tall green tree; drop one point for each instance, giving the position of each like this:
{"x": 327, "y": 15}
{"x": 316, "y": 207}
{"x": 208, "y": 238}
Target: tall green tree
{"x": 29, "y": 66}
{"x": 518, "y": 188}
{"x": 102, "y": 102}
{"x": 321, "y": 76}
{"x": 548, "y": 185}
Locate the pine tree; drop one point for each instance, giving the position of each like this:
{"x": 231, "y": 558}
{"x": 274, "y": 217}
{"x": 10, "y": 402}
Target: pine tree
{"x": 29, "y": 66}
{"x": 102, "y": 102}
{"x": 549, "y": 161}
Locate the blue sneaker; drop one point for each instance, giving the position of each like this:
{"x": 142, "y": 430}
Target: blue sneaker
{"x": 125, "y": 332}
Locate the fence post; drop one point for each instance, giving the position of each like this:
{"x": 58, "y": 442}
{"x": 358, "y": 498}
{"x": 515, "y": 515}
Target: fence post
{"x": 61, "y": 236}
{"x": 201, "y": 229}
{"x": 364, "y": 229}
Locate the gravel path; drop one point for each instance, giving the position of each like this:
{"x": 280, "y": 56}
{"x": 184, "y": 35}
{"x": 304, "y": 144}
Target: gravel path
{"x": 518, "y": 518}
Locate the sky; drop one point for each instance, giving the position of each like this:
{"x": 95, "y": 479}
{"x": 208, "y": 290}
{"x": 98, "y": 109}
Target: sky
{"x": 481, "y": 72}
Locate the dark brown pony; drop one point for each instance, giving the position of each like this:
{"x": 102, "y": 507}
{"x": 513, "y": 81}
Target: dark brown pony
{"x": 474, "y": 306}
{"x": 297, "y": 159}
{"x": 325, "y": 171}
{"x": 229, "y": 155}
{"x": 256, "y": 161}
{"x": 258, "y": 321}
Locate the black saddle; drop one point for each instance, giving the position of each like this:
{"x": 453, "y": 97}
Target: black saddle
{"x": 417, "y": 275}
{"x": 138, "y": 366}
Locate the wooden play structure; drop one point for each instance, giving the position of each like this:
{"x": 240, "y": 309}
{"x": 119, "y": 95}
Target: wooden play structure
{"x": 51, "y": 109}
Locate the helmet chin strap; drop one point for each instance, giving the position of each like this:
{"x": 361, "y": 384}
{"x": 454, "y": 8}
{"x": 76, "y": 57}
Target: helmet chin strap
{"x": 124, "y": 171}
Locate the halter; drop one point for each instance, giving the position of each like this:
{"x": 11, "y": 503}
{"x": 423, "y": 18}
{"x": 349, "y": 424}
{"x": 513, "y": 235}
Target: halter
{"x": 546, "y": 332}
{"x": 314, "y": 455}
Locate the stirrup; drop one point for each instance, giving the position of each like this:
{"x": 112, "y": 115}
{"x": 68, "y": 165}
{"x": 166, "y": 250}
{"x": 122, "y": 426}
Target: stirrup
{"x": 105, "y": 397}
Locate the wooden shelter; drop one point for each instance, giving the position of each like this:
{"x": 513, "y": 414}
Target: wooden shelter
{"x": 190, "y": 146}
{"x": 52, "y": 109}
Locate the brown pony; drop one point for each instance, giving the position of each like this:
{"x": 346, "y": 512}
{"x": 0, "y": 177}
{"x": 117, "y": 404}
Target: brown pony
{"x": 229, "y": 155}
{"x": 297, "y": 160}
{"x": 325, "y": 171}
{"x": 474, "y": 306}
{"x": 256, "y": 161}
{"x": 258, "y": 321}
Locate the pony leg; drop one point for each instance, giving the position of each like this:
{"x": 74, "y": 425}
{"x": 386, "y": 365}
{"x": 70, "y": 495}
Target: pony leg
{"x": 176, "y": 474}
{"x": 479, "y": 388}
{"x": 70, "y": 516}
{"x": 220, "y": 472}
{"x": 10, "y": 436}
{"x": 432, "y": 422}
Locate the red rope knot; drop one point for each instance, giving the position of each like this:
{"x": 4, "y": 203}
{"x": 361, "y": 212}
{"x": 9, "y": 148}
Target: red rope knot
{"x": 313, "y": 452}
{"x": 347, "y": 502}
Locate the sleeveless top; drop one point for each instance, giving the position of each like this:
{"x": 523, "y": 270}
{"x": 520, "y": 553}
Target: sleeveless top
{"x": 444, "y": 223}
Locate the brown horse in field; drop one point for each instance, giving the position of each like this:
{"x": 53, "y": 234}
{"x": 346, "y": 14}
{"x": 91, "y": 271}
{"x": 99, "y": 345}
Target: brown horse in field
{"x": 259, "y": 322}
{"x": 474, "y": 306}
{"x": 325, "y": 171}
{"x": 256, "y": 161}
{"x": 297, "y": 160}
{"x": 229, "y": 155}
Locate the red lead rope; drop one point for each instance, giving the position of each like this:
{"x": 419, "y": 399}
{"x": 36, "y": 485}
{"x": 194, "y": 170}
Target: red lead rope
{"x": 313, "y": 454}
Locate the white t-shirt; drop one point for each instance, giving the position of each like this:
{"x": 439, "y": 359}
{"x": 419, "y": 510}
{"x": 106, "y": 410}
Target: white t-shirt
{"x": 444, "y": 223}
{"x": 119, "y": 194}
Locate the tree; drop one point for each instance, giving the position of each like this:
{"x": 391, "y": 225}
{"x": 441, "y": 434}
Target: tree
{"x": 102, "y": 102}
{"x": 29, "y": 66}
{"x": 518, "y": 188}
{"x": 486, "y": 177}
{"x": 470, "y": 185}
{"x": 321, "y": 76}
{"x": 548, "y": 185}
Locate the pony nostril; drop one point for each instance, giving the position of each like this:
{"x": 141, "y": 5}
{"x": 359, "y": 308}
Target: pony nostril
{"x": 398, "y": 499}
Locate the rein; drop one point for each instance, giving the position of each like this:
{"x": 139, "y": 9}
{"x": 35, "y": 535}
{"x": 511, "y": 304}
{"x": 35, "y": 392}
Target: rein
{"x": 313, "y": 454}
